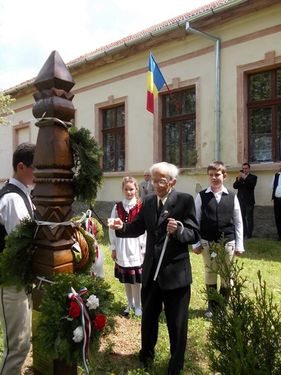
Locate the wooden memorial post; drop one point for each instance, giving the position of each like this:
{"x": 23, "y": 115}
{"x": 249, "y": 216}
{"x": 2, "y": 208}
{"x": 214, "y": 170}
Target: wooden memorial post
{"x": 53, "y": 192}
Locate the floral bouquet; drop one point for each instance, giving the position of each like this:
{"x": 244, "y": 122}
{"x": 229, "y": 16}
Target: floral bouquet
{"x": 75, "y": 311}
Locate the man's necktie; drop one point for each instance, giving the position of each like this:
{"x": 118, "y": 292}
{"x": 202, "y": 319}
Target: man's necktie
{"x": 159, "y": 208}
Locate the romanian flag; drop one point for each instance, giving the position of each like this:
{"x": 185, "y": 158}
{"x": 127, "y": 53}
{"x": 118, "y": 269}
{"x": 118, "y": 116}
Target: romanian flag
{"x": 155, "y": 81}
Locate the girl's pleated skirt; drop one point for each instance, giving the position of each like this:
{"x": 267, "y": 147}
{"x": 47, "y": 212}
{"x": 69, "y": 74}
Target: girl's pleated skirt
{"x": 128, "y": 275}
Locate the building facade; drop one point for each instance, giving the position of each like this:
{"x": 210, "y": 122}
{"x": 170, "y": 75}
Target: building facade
{"x": 222, "y": 64}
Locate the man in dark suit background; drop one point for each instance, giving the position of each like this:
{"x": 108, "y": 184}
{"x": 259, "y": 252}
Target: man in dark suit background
{"x": 276, "y": 196}
{"x": 245, "y": 183}
{"x": 172, "y": 286}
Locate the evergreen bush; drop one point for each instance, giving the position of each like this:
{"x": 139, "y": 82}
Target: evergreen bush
{"x": 245, "y": 333}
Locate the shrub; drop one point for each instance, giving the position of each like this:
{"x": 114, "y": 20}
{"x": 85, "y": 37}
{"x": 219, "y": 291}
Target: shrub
{"x": 245, "y": 333}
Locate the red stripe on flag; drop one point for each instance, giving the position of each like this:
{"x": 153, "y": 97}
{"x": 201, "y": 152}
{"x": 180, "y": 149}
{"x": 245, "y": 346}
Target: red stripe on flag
{"x": 150, "y": 102}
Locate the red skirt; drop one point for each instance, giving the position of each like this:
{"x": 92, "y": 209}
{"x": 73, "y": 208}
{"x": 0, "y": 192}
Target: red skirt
{"x": 128, "y": 275}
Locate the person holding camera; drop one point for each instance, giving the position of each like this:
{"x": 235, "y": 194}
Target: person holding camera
{"x": 246, "y": 183}
{"x": 276, "y": 196}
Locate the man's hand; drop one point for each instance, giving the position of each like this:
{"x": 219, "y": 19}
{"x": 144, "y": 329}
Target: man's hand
{"x": 113, "y": 255}
{"x": 172, "y": 225}
{"x": 115, "y": 224}
{"x": 197, "y": 250}
{"x": 238, "y": 253}
{"x": 242, "y": 175}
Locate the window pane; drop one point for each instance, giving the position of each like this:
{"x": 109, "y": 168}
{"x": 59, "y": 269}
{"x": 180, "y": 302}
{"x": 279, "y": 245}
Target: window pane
{"x": 120, "y": 152}
{"x": 260, "y": 86}
{"x": 120, "y": 118}
{"x": 108, "y": 152}
{"x": 109, "y": 118}
{"x": 279, "y": 82}
{"x": 189, "y": 154}
{"x": 261, "y": 134}
{"x": 180, "y": 103}
{"x": 179, "y": 132}
{"x": 114, "y": 138}
{"x": 172, "y": 144}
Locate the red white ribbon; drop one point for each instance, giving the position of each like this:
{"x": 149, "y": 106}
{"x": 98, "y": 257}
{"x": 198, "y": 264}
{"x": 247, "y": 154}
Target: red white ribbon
{"x": 86, "y": 324}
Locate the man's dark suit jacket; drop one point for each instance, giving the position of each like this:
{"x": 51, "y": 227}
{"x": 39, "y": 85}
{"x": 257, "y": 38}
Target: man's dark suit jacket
{"x": 175, "y": 271}
{"x": 246, "y": 189}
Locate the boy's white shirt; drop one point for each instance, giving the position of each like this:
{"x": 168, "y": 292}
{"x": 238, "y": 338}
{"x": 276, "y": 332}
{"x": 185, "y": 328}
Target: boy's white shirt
{"x": 237, "y": 217}
{"x": 13, "y": 208}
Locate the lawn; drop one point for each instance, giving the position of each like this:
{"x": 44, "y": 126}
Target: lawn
{"x": 118, "y": 352}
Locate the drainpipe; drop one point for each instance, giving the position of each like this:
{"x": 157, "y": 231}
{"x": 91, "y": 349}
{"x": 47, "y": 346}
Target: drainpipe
{"x": 217, "y": 83}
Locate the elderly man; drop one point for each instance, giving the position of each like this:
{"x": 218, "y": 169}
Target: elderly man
{"x": 145, "y": 187}
{"x": 160, "y": 214}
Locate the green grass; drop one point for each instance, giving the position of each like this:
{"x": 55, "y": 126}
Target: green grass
{"x": 261, "y": 254}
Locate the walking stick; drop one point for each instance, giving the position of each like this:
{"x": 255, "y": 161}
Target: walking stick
{"x": 164, "y": 249}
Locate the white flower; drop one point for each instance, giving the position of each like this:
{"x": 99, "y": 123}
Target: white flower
{"x": 213, "y": 255}
{"x": 92, "y": 302}
{"x": 78, "y": 334}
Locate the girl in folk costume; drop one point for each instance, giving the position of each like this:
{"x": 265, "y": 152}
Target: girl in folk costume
{"x": 128, "y": 252}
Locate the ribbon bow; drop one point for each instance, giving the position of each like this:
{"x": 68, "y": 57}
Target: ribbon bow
{"x": 86, "y": 324}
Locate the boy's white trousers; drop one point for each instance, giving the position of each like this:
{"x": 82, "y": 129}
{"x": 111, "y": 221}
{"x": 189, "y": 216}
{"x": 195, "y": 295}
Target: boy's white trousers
{"x": 15, "y": 317}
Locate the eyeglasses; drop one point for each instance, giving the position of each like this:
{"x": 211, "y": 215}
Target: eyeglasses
{"x": 162, "y": 182}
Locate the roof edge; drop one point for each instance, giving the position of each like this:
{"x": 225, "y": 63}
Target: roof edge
{"x": 135, "y": 39}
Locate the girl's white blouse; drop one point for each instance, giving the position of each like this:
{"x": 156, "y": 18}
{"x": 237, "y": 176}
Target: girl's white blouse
{"x": 129, "y": 251}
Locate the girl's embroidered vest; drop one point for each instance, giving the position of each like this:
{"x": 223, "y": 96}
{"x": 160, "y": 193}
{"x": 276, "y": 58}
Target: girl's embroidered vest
{"x": 125, "y": 216}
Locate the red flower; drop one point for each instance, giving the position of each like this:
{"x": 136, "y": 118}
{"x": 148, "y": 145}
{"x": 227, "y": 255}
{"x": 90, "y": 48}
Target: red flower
{"x": 99, "y": 322}
{"x": 74, "y": 310}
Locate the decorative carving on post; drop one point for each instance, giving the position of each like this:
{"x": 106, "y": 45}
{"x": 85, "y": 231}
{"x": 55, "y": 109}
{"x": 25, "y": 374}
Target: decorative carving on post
{"x": 53, "y": 162}
{"x": 53, "y": 193}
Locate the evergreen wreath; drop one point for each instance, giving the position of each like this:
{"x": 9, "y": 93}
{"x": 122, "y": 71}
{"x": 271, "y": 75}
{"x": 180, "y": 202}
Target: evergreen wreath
{"x": 88, "y": 174}
{"x": 87, "y": 245}
{"x": 59, "y": 316}
{"x": 92, "y": 242}
{"x": 16, "y": 258}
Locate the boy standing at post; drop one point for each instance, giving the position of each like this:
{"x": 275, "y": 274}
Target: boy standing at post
{"x": 15, "y": 305}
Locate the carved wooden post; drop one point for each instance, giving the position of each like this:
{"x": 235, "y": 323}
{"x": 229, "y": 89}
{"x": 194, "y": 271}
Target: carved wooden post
{"x": 53, "y": 192}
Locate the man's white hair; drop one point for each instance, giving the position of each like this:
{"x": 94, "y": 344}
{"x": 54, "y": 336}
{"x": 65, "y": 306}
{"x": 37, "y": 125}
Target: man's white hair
{"x": 170, "y": 170}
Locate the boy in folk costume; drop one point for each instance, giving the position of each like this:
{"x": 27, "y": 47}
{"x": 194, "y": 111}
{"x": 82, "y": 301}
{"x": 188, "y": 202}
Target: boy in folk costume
{"x": 15, "y": 304}
{"x": 219, "y": 216}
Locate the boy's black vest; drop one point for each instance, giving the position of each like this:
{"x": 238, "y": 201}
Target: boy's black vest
{"x": 11, "y": 188}
{"x": 217, "y": 218}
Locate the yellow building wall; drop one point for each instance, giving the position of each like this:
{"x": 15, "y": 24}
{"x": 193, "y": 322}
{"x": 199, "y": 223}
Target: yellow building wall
{"x": 242, "y": 43}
